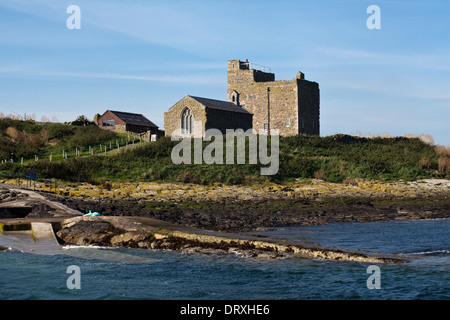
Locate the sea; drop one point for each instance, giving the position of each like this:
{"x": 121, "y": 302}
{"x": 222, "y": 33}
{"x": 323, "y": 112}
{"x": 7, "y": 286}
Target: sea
{"x": 96, "y": 273}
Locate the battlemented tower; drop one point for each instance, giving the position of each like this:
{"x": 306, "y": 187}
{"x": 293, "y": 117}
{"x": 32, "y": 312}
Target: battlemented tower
{"x": 291, "y": 106}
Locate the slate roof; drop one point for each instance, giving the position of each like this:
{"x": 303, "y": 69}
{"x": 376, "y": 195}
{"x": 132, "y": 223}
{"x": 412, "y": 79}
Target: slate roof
{"x": 220, "y": 105}
{"x": 134, "y": 119}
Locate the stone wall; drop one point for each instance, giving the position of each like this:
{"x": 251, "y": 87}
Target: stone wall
{"x": 276, "y": 108}
{"x": 205, "y": 118}
{"x": 121, "y": 128}
{"x": 172, "y": 118}
{"x": 308, "y": 104}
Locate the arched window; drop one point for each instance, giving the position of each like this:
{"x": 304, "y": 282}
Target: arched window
{"x": 187, "y": 121}
{"x": 235, "y": 97}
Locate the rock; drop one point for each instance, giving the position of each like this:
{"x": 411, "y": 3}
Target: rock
{"x": 104, "y": 231}
{"x": 40, "y": 210}
{"x": 87, "y": 232}
{"x": 7, "y": 198}
{"x": 222, "y": 208}
{"x": 130, "y": 239}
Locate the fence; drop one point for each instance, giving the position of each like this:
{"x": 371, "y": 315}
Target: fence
{"x": 99, "y": 149}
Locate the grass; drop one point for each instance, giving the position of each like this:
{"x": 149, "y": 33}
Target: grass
{"x": 332, "y": 158}
{"x": 29, "y": 139}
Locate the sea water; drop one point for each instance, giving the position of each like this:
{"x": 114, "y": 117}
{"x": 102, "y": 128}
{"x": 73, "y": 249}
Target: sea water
{"x": 106, "y": 273}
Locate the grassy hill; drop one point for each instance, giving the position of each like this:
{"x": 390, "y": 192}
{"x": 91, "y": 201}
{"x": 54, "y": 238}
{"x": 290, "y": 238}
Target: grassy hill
{"x": 332, "y": 158}
{"x": 27, "y": 139}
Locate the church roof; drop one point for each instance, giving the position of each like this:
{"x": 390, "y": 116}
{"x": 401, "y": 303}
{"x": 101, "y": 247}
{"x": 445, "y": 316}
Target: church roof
{"x": 220, "y": 105}
{"x": 134, "y": 119}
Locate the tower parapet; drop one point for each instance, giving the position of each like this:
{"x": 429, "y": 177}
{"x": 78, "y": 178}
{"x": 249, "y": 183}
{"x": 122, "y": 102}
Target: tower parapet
{"x": 240, "y": 71}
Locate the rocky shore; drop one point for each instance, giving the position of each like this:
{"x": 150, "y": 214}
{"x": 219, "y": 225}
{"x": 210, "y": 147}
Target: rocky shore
{"x": 310, "y": 189}
{"x": 206, "y": 219}
{"x": 121, "y": 232}
{"x": 239, "y": 208}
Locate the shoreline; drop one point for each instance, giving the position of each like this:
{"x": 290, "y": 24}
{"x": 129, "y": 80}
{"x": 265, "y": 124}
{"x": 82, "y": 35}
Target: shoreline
{"x": 239, "y": 208}
{"x": 232, "y": 208}
{"x": 128, "y": 233}
{"x": 207, "y": 226}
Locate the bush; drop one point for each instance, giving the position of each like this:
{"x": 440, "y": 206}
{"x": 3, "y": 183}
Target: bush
{"x": 59, "y": 131}
{"x": 90, "y": 135}
{"x": 332, "y": 158}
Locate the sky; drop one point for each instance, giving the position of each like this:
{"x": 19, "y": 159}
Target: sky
{"x": 143, "y": 56}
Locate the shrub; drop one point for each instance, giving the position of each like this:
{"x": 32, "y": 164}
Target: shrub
{"x": 332, "y": 158}
{"x": 90, "y": 135}
{"x": 59, "y": 131}
{"x": 15, "y": 135}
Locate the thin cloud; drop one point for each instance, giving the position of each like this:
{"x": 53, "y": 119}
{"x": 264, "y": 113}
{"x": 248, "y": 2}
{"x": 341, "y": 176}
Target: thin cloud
{"x": 186, "y": 78}
{"x": 395, "y": 87}
{"x": 192, "y": 79}
{"x": 436, "y": 61}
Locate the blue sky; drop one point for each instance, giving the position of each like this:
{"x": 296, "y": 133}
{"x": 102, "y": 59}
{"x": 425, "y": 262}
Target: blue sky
{"x": 144, "y": 56}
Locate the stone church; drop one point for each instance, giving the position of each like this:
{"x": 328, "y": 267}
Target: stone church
{"x": 254, "y": 100}
{"x": 194, "y": 115}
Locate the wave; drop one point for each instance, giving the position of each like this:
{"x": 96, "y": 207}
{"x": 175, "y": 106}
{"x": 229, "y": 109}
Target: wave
{"x": 431, "y": 252}
{"x": 105, "y": 254}
{"x": 71, "y": 246}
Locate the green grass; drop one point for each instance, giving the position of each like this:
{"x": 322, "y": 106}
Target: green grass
{"x": 332, "y": 158}
{"x": 27, "y": 139}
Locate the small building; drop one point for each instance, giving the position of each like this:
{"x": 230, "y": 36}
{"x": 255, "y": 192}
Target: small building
{"x": 126, "y": 122}
{"x": 196, "y": 115}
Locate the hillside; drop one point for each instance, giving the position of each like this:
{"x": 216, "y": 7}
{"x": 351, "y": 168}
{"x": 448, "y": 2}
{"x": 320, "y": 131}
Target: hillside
{"x": 30, "y": 140}
{"x": 332, "y": 158}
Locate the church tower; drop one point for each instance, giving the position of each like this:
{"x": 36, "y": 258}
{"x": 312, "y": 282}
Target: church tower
{"x": 291, "y": 107}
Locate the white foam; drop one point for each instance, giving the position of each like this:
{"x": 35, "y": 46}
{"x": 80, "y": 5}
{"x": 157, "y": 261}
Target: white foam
{"x": 72, "y": 246}
{"x": 431, "y": 252}
{"x": 104, "y": 254}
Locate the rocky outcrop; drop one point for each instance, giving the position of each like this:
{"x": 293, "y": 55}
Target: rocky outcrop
{"x": 244, "y": 208}
{"x": 21, "y": 203}
{"x": 311, "y": 189}
{"x": 7, "y": 195}
{"x": 121, "y": 232}
{"x": 250, "y": 215}
{"x": 103, "y": 231}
